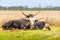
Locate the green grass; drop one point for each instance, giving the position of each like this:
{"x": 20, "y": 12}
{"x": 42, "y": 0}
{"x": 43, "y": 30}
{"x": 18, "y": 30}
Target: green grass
{"x": 30, "y": 35}
{"x": 53, "y": 34}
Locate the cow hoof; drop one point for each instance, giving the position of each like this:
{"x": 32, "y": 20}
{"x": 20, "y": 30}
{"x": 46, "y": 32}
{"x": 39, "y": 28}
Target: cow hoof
{"x": 48, "y": 28}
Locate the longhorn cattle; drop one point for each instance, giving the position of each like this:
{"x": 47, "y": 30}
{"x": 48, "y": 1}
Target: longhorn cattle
{"x": 35, "y": 24}
{"x": 26, "y": 23}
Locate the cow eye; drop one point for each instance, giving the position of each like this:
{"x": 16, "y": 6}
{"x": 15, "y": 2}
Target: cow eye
{"x": 27, "y": 20}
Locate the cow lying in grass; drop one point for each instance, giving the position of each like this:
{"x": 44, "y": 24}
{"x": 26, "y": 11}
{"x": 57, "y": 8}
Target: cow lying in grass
{"x": 26, "y": 23}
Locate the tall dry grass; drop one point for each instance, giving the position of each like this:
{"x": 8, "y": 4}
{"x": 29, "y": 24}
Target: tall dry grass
{"x": 51, "y": 17}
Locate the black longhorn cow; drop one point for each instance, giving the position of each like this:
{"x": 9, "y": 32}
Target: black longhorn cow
{"x": 35, "y": 24}
{"x": 26, "y": 23}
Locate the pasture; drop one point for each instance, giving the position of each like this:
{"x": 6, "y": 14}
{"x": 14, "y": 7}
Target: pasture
{"x": 51, "y": 17}
{"x": 30, "y": 34}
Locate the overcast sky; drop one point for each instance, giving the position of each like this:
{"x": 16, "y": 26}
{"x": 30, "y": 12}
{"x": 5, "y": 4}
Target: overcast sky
{"x": 30, "y": 3}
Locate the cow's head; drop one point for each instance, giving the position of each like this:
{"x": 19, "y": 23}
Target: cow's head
{"x": 31, "y": 18}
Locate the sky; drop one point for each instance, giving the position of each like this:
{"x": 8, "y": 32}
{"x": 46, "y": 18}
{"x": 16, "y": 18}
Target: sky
{"x": 30, "y": 3}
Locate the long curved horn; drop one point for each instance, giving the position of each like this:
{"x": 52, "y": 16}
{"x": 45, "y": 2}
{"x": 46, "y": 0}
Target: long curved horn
{"x": 37, "y": 13}
{"x": 23, "y": 13}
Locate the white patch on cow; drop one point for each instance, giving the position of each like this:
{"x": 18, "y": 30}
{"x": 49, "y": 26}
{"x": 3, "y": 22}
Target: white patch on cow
{"x": 46, "y": 25}
{"x": 44, "y": 28}
{"x": 32, "y": 20}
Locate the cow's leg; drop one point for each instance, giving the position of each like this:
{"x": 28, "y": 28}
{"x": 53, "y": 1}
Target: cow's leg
{"x": 7, "y": 25}
{"x": 36, "y": 28}
{"x": 16, "y": 26}
{"x": 27, "y": 26}
{"x": 32, "y": 27}
{"x": 46, "y": 27}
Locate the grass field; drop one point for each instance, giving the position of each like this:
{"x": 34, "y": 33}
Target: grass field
{"x": 51, "y": 17}
{"x": 30, "y": 34}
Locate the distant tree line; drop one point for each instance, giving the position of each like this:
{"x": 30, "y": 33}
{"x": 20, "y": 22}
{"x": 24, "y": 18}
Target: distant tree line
{"x": 27, "y": 8}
